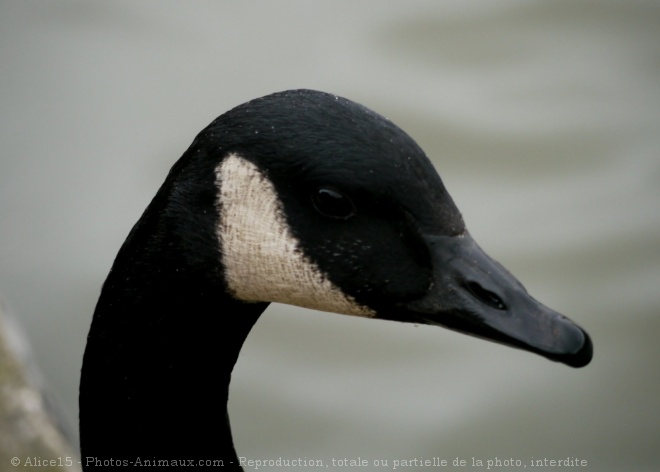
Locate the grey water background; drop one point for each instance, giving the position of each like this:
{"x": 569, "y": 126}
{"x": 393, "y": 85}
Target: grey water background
{"x": 543, "y": 118}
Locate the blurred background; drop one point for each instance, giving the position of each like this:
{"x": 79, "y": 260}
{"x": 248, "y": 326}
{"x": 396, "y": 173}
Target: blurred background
{"x": 543, "y": 118}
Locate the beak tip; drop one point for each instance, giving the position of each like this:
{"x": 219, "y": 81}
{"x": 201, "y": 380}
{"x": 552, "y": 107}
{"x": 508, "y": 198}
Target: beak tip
{"x": 584, "y": 354}
{"x": 581, "y": 354}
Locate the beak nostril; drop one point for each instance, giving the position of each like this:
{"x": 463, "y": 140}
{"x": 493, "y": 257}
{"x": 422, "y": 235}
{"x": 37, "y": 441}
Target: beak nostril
{"x": 485, "y": 296}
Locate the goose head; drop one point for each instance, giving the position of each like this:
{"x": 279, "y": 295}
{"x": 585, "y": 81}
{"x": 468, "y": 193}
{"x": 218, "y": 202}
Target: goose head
{"x": 299, "y": 197}
{"x": 327, "y": 205}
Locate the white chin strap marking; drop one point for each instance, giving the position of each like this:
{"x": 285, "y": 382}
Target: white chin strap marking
{"x": 261, "y": 257}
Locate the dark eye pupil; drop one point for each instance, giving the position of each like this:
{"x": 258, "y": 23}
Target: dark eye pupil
{"x": 333, "y": 204}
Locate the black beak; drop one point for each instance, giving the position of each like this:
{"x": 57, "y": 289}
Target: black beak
{"x": 474, "y": 294}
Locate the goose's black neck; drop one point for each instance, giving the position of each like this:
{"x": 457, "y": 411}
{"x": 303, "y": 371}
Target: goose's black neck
{"x": 164, "y": 339}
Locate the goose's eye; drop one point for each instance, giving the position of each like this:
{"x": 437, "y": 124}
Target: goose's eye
{"x": 333, "y": 204}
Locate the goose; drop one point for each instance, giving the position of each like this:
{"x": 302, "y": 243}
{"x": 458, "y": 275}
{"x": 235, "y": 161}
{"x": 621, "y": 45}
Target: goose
{"x": 299, "y": 197}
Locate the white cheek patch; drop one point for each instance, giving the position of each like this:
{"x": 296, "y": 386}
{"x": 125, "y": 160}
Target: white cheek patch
{"x": 261, "y": 257}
